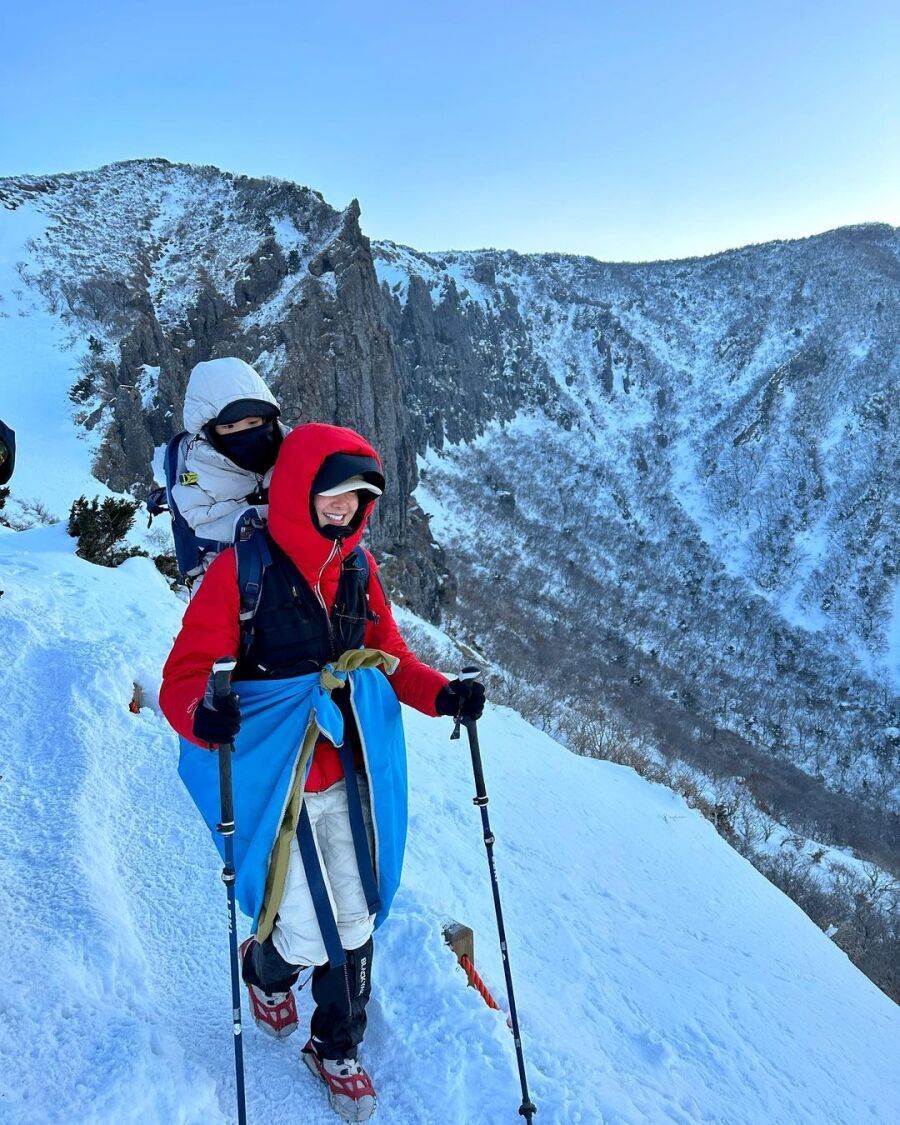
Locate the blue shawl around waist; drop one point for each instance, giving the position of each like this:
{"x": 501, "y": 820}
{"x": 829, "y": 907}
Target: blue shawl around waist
{"x": 280, "y": 722}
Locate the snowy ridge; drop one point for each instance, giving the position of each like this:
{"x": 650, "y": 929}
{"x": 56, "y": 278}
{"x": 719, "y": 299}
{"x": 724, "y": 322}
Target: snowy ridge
{"x": 112, "y": 283}
{"x": 394, "y": 264}
{"x": 659, "y": 977}
{"x": 762, "y": 369}
{"x": 173, "y": 227}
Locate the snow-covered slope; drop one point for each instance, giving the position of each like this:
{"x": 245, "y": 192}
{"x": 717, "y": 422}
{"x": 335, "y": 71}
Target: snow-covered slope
{"x": 39, "y": 357}
{"x": 659, "y": 977}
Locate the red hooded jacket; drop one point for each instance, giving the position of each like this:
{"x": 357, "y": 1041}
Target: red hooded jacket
{"x": 210, "y": 628}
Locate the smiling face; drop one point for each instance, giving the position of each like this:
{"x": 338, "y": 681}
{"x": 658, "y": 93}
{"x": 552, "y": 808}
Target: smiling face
{"x": 336, "y": 511}
{"x": 241, "y": 424}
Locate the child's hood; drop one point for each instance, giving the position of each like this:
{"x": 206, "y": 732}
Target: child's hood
{"x": 290, "y": 521}
{"x": 217, "y": 382}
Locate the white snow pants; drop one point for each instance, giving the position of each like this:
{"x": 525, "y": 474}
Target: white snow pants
{"x": 296, "y": 935}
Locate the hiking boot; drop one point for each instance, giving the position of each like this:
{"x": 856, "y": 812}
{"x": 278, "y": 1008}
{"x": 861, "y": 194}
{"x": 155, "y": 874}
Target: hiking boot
{"x": 350, "y": 1089}
{"x": 275, "y": 1013}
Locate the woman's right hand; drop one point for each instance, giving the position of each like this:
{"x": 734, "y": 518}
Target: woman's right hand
{"x": 218, "y": 724}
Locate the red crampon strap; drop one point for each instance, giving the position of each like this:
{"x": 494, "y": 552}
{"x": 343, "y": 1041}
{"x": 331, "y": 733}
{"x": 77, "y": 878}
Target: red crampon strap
{"x": 353, "y": 1086}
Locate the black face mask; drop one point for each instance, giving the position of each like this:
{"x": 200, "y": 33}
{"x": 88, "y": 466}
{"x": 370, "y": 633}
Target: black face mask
{"x": 254, "y": 450}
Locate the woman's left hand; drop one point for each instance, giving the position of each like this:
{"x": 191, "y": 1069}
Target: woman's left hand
{"x": 461, "y": 699}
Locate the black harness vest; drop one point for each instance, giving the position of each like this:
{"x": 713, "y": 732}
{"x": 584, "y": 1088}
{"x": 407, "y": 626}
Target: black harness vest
{"x": 291, "y": 634}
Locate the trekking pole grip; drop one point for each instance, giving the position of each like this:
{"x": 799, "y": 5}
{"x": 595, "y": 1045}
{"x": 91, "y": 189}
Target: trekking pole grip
{"x": 470, "y": 672}
{"x": 222, "y": 672}
{"x": 481, "y": 797}
{"x": 221, "y": 678}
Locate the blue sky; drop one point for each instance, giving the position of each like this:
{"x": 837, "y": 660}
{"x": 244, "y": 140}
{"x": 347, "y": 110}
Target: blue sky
{"x": 622, "y": 130}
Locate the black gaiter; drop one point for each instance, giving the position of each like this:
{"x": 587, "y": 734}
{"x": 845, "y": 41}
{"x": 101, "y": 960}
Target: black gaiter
{"x": 254, "y": 450}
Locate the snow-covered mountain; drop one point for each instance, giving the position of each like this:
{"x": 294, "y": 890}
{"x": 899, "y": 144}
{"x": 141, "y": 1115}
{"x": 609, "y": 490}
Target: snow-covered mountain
{"x": 716, "y": 445}
{"x": 665, "y": 493}
{"x": 659, "y": 977}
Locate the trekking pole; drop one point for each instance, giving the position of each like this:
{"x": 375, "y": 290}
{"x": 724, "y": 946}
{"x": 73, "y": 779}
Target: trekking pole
{"x": 221, "y": 675}
{"x": 527, "y": 1109}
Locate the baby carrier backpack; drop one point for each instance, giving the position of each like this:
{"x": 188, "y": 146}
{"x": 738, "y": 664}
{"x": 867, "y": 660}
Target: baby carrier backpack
{"x": 192, "y": 551}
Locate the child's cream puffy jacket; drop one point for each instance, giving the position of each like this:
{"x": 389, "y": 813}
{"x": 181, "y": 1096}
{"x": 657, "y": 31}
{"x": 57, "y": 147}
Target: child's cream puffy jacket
{"x": 217, "y": 491}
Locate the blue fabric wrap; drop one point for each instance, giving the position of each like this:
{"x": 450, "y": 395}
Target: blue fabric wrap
{"x": 274, "y": 718}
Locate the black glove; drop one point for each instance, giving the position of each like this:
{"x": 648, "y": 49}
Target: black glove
{"x": 461, "y": 699}
{"x": 220, "y": 723}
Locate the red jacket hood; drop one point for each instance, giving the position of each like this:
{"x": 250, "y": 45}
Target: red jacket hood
{"x": 300, "y": 457}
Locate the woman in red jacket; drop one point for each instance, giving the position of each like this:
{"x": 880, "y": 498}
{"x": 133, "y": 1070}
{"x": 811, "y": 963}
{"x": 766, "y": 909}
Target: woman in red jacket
{"x": 315, "y": 605}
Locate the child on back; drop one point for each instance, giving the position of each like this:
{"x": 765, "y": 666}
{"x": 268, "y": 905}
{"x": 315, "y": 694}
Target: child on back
{"x": 233, "y": 438}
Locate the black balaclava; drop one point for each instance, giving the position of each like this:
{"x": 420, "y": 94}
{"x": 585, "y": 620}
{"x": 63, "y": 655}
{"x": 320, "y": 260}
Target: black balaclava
{"x": 254, "y": 450}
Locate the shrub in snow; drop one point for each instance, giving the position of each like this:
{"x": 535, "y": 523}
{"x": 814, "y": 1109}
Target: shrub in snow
{"x": 23, "y": 514}
{"x": 167, "y": 565}
{"x": 100, "y": 528}
{"x": 4, "y": 496}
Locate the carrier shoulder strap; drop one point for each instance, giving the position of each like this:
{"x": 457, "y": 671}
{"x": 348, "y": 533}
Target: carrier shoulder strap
{"x": 365, "y": 568}
{"x": 190, "y": 548}
{"x": 160, "y": 500}
{"x": 170, "y": 465}
{"x": 362, "y": 564}
{"x": 251, "y": 546}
